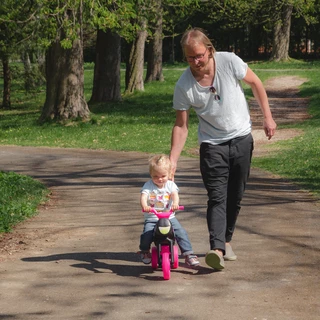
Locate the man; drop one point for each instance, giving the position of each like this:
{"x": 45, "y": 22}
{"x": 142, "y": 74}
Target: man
{"x": 212, "y": 87}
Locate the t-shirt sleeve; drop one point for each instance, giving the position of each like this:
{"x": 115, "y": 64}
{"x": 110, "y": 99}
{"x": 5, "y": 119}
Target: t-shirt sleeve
{"x": 239, "y": 67}
{"x": 180, "y": 99}
{"x": 173, "y": 187}
{"x": 146, "y": 188}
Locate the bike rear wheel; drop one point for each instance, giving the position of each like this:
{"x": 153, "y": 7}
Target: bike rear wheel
{"x": 175, "y": 257}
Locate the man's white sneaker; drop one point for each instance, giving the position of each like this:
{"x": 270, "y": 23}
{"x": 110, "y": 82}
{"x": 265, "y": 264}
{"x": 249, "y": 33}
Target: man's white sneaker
{"x": 229, "y": 254}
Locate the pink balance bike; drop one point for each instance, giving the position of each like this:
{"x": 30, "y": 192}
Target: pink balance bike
{"x": 164, "y": 253}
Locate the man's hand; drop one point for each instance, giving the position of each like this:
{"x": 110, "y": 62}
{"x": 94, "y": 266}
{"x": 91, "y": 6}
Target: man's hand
{"x": 173, "y": 170}
{"x": 269, "y": 126}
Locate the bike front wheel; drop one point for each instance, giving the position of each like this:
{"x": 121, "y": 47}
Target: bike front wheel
{"x": 154, "y": 258}
{"x": 166, "y": 265}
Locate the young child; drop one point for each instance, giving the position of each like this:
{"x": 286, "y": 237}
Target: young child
{"x": 162, "y": 194}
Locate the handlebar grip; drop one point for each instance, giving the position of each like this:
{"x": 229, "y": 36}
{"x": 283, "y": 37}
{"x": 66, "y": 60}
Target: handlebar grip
{"x": 155, "y": 211}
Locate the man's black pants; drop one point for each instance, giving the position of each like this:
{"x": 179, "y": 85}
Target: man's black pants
{"x": 225, "y": 170}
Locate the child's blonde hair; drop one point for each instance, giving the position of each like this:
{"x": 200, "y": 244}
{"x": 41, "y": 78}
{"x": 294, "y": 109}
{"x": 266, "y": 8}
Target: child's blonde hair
{"x": 159, "y": 161}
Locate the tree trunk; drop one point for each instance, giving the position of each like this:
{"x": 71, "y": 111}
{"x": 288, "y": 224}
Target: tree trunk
{"x": 6, "y": 101}
{"x": 173, "y": 52}
{"x": 154, "y": 67}
{"x": 41, "y": 60}
{"x": 65, "y": 79}
{"x": 106, "y": 82}
{"x": 134, "y": 70}
{"x": 29, "y": 80}
{"x": 281, "y": 34}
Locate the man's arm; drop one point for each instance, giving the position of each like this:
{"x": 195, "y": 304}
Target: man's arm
{"x": 178, "y": 138}
{"x": 260, "y": 94}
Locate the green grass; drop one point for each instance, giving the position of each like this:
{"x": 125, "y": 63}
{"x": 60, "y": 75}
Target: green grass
{"x": 134, "y": 124}
{"x": 291, "y": 65}
{"x": 20, "y": 198}
{"x": 143, "y": 122}
{"x": 298, "y": 158}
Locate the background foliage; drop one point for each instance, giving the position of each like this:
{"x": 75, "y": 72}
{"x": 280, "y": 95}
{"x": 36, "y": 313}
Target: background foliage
{"x": 143, "y": 122}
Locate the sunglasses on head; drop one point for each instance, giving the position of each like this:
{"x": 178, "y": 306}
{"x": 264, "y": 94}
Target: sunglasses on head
{"x": 214, "y": 91}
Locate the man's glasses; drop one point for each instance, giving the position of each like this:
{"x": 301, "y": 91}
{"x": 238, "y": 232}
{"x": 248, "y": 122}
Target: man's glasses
{"x": 214, "y": 91}
{"x": 198, "y": 57}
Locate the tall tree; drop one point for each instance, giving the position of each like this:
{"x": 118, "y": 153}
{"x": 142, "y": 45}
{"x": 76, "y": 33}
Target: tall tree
{"x": 177, "y": 16}
{"x": 16, "y": 22}
{"x": 230, "y": 23}
{"x": 245, "y": 25}
{"x": 281, "y": 32}
{"x": 33, "y": 59}
{"x": 154, "y": 65}
{"x": 64, "y": 67}
{"x": 279, "y": 14}
{"x": 6, "y": 98}
{"x": 135, "y": 61}
{"x": 106, "y": 81}
{"x": 112, "y": 19}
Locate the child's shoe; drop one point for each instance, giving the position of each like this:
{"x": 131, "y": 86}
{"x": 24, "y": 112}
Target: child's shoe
{"x": 145, "y": 257}
{"x": 192, "y": 260}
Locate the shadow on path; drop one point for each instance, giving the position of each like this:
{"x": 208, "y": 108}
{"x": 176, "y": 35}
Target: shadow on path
{"x": 91, "y": 261}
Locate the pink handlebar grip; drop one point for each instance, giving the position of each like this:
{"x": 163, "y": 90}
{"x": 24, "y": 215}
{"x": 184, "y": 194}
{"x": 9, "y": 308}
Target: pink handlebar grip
{"x": 153, "y": 210}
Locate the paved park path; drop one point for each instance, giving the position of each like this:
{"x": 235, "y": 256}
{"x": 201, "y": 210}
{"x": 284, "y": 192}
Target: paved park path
{"x": 77, "y": 260}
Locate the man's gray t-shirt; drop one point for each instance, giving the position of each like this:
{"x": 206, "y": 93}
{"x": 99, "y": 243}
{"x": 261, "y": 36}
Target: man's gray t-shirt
{"x": 219, "y": 121}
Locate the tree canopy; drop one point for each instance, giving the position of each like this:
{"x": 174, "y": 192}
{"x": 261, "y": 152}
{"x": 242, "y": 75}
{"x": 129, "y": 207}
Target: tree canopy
{"x": 276, "y": 29}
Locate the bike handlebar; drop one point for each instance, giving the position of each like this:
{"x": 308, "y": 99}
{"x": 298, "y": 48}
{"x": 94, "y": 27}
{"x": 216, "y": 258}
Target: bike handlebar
{"x": 161, "y": 214}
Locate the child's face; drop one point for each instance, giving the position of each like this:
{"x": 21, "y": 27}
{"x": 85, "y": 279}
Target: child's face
{"x": 160, "y": 177}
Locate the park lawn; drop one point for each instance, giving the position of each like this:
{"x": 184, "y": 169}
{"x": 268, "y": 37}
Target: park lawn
{"x": 20, "y": 198}
{"x": 298, "y": 158}
{"x": 143, "y": 121}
